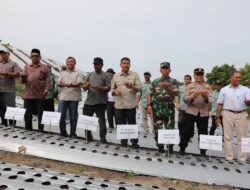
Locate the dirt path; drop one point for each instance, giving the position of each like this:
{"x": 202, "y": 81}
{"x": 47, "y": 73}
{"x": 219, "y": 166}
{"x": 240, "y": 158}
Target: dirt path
{"x": 128, "y": 176}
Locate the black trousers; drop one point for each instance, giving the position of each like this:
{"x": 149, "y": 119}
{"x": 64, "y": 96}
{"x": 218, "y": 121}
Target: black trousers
{"x": 126, "y": 116}
{"x": 33, "y": 107}
{"x": 49, "y": 104}
{"x": 99, "y": 110}
{"x": 6, "y": 99}
{"x": 202, "y": 126}
{"x": 214, "y": 126}
{"x": 111, "y": 114}
{"x": 181, "y": 121}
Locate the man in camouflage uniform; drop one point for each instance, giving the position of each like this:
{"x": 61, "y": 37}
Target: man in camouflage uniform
{"x": 161, "y": 102}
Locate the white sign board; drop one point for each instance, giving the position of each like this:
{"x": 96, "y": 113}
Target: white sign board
{"x": 15, "y": 113}
{"x": 245, "y": 143}
{"x": 127, "y": 131}
{"x": 211, "y": 142}
{"x": 51, "y": 118}
{"x": 168, "y": 136}
{"x": 87, "y": 122}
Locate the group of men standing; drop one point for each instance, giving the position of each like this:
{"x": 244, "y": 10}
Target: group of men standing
{"x": 121, "y": 93}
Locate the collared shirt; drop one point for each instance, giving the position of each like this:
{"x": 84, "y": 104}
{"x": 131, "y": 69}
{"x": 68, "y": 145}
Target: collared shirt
{"x": 214, "y": 104}
{"x": 145, "y": 88}
{"x": 127, "y": 99}
{"x": 233, "y": 98}
{"x": 70, "y": 93}
{"x": 97, "y": 79}
{"x": 37, "y": 81}
{"x": 183, "y": 105}
{"x": 8, "y": 84}
{"x": 198, "y": 105}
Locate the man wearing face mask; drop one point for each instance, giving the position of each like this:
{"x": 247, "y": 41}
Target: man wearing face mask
{"x": 97, "y": 85}
{"x": 9, "y": 70}
{"x": 36, "y": 77}
{"x": 70, "y": 82}
{"x": 161, "y": 101}
{"x": 198, "y": 96}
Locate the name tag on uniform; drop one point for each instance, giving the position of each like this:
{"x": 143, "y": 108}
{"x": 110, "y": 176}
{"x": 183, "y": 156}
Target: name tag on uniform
{"x": 168, "y": 136}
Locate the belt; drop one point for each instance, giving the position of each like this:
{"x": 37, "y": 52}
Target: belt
{"x": 236, "y": 111}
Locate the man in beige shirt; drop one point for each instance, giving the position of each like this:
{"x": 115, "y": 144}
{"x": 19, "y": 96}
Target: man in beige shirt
{"x": 198, "y": 96}
{"x": 70, "y": 82}
{"x": 125, "y": 86}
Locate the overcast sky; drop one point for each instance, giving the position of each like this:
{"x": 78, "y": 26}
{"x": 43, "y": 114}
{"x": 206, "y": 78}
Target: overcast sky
{"x": 187, "y": 33}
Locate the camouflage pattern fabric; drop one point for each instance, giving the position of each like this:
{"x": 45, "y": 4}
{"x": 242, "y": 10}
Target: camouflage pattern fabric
{"x": 163, "y": 104}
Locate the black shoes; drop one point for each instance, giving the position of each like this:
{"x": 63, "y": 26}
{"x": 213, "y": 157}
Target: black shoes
{"x": 135, "y": 146}
{"x": 161, "y": 149}
{"x": 103, "y": 141}
{"x": 124, "y": 145}
{"x": 5, "y": 123}
{"x": 64, "y": 134}
{"x": 73, "y": 136}
{"x": 182, "y": 151}
{"x": 203, "y": 153}
{"x": 171, "y": 149}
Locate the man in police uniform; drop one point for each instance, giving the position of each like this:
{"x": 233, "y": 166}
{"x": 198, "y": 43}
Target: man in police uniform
{"x": 198, "y": 96}
{"x": 161, "y": 102}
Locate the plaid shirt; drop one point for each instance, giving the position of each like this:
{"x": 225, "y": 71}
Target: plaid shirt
{"x": 8, "y": 84}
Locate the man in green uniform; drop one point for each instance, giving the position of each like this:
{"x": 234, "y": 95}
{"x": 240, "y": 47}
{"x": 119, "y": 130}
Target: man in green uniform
{"x": 161, "y": 102}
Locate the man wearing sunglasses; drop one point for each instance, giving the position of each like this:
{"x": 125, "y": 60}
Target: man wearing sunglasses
{"x": 198, "y": 96}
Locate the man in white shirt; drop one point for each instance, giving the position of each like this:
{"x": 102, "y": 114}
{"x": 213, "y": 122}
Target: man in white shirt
{"x": 111, "y": 103}
{"x": 233, "y": 100}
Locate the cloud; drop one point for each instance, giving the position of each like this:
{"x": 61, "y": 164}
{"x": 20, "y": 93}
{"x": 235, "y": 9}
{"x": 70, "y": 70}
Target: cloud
{"x": 189, "y": 34}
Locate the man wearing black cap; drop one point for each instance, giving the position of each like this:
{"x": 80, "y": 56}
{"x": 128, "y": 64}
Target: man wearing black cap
{"x": 97, "y": 84}
{"x": 216, "y": 92}
{"x": 111, "y": 103}
{"x": 161, "y": 100}
{"x": 36, "y": 76}
{"x": 198, "y": 96}
{"x": 9, "y": 70}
